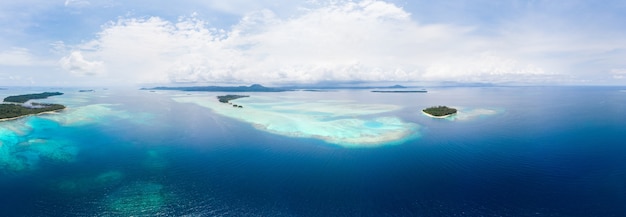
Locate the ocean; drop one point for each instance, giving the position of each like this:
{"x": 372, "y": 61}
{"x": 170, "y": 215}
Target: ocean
{"x": 511, "y": 151}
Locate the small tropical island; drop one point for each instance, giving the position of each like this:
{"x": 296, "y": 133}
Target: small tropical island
{"x": 439, "y": 111}
{"x": 228, "y": 98}
{"x": 24, "y": 98}
{"x": 16, "y": 106}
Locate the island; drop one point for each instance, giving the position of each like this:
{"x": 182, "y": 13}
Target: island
{"x": 251, "y": 88}
{"x": 24, "y": 98}
{"x": 228, "y": 98}
{"x": 17, "y": 106}
{"x": 399, "y": 91}
{"x": 439, "y": 111}
{"x": 340, "y": 87}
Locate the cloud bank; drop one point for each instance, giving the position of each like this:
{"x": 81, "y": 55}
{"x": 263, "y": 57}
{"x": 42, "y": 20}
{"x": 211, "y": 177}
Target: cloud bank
{"x": 342, "y": 41}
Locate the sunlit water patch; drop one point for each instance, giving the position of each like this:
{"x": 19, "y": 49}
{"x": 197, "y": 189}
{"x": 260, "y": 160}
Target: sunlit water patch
{"x": 138, "y": 199}
{"x": 88, "y": 183}
{"x": 341, "y": 122}
{"x": 155, "y": 160}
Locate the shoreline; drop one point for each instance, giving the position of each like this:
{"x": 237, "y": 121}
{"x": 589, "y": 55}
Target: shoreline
{"x": 23, "y": 116}
{"x": 439, "y": 117}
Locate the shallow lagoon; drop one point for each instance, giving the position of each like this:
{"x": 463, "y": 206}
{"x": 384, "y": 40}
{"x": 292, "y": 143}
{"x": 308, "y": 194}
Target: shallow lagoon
{"x": 509, "y": 152}
{"x": 346, "y": 123}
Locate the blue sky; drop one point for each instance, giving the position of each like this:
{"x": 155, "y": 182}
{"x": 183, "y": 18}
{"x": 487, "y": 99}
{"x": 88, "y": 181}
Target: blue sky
{"x": 141, "y": 42}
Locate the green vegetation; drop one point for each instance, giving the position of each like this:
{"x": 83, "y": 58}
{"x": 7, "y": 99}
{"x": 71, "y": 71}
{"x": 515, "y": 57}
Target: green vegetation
{"x": 13, "y": 110}
{"x": 26, "y": 97}
{"x": 17, "y": 110}
{"x": 227, "y": 98}
{"x": 439, "y": 111}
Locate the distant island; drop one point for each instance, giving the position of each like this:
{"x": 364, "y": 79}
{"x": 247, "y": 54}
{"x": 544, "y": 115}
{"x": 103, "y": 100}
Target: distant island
{"x": 228, "y": 98}
{"x": 439, "y": 111}
{"x": 325, "y": 88}
{"x": 399, "y": 91}
{"x": 26, "y": 97}
{"x": 261, "y": 88}
{"x": 251, "y": 88}
{"x": 17, "y": 106}
{"x": 83, "y": 91}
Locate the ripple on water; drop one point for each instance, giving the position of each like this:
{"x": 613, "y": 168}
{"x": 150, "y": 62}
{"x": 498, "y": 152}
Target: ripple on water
{"x": 89, "y": 183}
{"x": 138, "y": 199}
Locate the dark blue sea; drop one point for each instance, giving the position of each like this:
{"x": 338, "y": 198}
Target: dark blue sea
{"x": 538, "y": 151}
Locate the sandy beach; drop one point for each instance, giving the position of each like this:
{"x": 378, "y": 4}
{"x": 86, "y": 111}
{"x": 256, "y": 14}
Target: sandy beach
{"x": 18, "y": 117}
{"x": 441, "y": 117}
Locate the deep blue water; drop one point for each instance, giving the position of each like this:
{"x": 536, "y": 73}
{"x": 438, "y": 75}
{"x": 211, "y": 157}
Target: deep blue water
{"x": 549, "y": 151}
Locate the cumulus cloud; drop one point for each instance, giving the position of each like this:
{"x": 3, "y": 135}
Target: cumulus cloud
{"x": 341, "y": 41}
{"x": 76, "y": 64}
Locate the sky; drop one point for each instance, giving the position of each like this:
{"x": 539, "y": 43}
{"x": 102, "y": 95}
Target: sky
{"x": 287, "y": 42}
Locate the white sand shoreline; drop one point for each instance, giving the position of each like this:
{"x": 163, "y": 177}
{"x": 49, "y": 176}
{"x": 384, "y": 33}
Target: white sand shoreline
{"x": 23, "y": 116}
{"x": 440, "y": 117}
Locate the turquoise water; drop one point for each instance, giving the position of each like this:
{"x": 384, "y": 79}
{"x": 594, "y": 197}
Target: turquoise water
{"x": 511, "y": 151}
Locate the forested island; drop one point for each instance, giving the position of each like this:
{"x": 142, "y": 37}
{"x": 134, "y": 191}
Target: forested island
{"x": 228, "y": 98}
{"x": 24, "y": 98}
{"x": 439, "y": 111}
{"x": 17, "y": 107}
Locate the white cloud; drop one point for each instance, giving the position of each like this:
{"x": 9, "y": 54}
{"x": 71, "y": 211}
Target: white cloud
{"x": 16, "y": 57}
{"x": 242, "y": 7}
{"x": 343, "y": 41}
{"x": 76, "y": 64}
{"x": 484, "y": 67}
{"x": 76, "y": 3}
{"x": 22, "y": 57}
{"x": 618, "y": 73}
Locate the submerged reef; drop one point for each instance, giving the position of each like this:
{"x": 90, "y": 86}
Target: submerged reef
{"x": 21, "y": 149}
{"x": 345, "y": 123}
{"x": 26, "y": 143}
{"x": 465, "y": 114}
{"x": 96, "y": 113}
